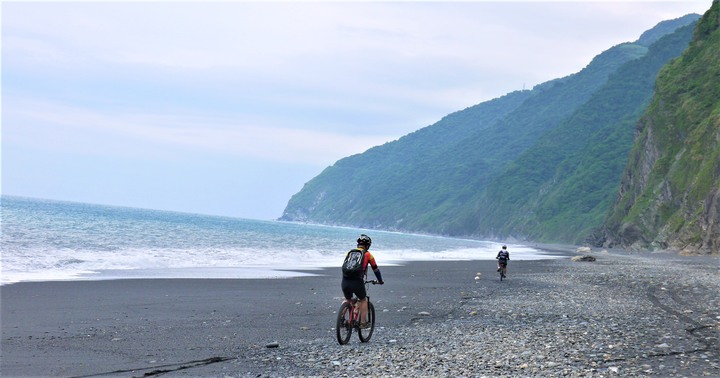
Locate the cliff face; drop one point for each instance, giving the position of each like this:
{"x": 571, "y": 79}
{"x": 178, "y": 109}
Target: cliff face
{"x": 670, "y": 190}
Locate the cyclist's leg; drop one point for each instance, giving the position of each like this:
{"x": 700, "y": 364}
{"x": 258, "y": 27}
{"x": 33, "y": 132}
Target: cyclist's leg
{"x": 356, "y": 287}
{"x": 347, "y": 289}
{"x": 363, "y": 310}
{"x": 362, "y": 300}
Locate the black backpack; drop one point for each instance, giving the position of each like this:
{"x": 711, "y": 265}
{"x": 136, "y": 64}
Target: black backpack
{"x": 352, "y": 266}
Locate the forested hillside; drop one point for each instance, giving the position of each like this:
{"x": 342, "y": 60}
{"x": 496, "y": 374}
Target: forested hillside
{"x": 562, "y": 187}
{"x": 670, "y": 194}
{"x": 542, "y": 164}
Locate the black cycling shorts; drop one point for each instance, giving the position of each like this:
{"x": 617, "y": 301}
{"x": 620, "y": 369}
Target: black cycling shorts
{"x": 352, "y": 286}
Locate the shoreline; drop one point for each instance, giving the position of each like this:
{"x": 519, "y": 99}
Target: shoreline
{"x": 255, "y": 272}
{"x": 629, "y": 315}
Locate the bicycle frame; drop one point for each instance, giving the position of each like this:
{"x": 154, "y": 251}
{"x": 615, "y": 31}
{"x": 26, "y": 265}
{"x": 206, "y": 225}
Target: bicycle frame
{"x": 346, "y": 324}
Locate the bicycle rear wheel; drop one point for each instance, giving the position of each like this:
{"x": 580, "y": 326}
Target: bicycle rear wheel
{"x": 365, "y": 333}
{"x": 343, "y": 325}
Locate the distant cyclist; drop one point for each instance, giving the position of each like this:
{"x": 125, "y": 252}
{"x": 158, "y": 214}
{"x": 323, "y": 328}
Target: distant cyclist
{"x": 355, "y": 272}
{"x": 503, "y": 257}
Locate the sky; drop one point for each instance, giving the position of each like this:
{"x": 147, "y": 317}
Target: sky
{"x": 229, "y": 108}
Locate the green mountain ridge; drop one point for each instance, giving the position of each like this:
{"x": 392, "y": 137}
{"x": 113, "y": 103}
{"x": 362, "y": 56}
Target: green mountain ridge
{"x": 563, "y": 186}
{"x": 541, "y": 164}
{"x": 670, "y": 191}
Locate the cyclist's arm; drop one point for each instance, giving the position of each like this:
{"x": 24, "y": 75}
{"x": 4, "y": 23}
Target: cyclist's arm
{"x": 375, "y": 269}
{"x": 378, "y": 276}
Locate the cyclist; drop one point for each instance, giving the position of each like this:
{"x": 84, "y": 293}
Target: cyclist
{"x": 354, "y": 282}
{"x": 502, "y": 257}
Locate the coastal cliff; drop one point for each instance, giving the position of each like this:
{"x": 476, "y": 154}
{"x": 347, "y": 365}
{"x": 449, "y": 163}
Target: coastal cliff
{"x": 670, "y": 191}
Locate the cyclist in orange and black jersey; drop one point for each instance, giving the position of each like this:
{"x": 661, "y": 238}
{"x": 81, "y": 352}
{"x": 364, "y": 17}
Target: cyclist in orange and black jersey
{"x": 356, "y": 285}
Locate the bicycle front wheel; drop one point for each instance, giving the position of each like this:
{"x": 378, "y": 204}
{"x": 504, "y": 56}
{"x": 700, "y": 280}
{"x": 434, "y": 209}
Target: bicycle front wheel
{"x": 365, "y": 333}
{"x": 343, "y": 325}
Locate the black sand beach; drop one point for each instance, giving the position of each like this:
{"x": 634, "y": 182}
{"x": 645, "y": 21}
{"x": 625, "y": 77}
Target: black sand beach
{"x": 622, "y": 315}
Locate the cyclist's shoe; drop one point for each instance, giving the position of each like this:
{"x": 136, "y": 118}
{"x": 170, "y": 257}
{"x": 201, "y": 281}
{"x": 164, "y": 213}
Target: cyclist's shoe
{"x": 498, "y": 269}
{"x": 364, "y": 325}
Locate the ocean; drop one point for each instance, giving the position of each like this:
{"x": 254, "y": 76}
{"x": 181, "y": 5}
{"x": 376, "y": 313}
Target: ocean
{"x": 46, "y": 240}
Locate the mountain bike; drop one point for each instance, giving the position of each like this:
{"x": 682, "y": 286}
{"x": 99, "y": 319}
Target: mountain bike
{"x": 503, "y": 270}
{"x": 348, "y": 318}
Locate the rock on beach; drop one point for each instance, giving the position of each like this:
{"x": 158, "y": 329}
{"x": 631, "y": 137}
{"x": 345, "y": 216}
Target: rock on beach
{"x": 584, "y": 258}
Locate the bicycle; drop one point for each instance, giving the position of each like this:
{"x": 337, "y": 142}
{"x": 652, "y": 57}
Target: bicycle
{"x": 349, "y": 318}
{"x": 503, "y": 270}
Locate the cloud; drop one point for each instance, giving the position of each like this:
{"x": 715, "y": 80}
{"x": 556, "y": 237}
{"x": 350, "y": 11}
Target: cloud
{"x": 391, "y": 65}
{"x": 77, "y": 130}
{"x": 420, "y": 54}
